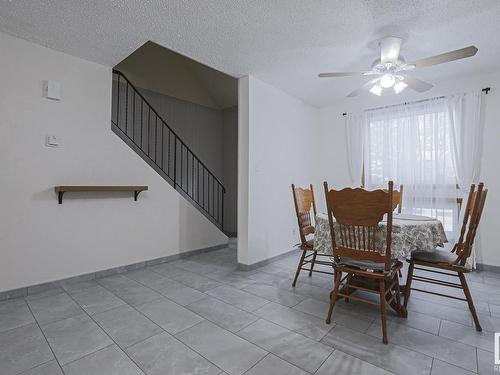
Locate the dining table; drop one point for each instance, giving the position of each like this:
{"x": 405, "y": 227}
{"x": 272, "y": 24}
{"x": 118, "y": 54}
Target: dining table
{"x": 409, "y": 233}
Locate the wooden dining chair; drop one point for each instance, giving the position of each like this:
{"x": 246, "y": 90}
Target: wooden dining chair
{"x": 451, "y": 263}
{"x": 354, "y": 216}
{"x": 305, "y": 209}
{"x": 397, "y": 199}
{"x": 397, "y": 203}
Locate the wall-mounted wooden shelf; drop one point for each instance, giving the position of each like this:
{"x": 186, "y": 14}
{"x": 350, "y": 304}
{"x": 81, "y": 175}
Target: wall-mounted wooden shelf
{"x": 60, "y": 190}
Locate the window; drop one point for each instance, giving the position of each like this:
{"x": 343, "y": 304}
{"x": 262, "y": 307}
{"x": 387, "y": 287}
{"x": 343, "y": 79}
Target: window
{"x": 411, "y": 144}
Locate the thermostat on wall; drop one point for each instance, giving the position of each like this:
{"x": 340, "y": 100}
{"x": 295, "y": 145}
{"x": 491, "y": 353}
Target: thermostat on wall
{"x": 52, "y": 90}
{"x": 52, "y": 140}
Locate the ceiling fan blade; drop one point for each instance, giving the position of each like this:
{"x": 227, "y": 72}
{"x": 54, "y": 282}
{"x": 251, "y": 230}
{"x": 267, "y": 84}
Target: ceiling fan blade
{"x": 367, "y": 86}
{"x": 340, "y": 74}
{"x": 389, "y": 49}
{"x": 458, "y": 54}
{"x": 416, "y": 84}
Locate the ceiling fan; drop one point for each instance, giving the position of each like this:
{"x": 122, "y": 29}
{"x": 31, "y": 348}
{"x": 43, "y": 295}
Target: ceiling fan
{"x": 391, "y": 69}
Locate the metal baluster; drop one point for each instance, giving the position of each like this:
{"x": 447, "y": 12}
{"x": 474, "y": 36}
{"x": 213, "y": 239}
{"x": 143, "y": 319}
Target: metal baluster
{"x": 142, "y": 118}
{"x": 214, "y": 207}
{"x": 156, "y": 138}
{"x": 162, "y": 148}
{"x": 222, "y": 219}
{"x": 182, "y": 166}
{"x": 133, "y": 121}
{"x": 213, "y": 196}
{"x": 187, "y": 171}
{"x": 118, "y": 104}
{"x": 126, "y": 110}
{"x": 168, "y": 154}
{"x": 192, "y": 175}
{"x": 149, "y": 125}
{"x": 175, "y": 161}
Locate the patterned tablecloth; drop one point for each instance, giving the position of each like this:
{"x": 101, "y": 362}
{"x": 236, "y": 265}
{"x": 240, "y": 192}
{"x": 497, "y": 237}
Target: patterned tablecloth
{"x": 409, "y": 233}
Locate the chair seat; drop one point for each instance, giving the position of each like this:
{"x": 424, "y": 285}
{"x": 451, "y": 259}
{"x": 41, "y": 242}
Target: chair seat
{"x": 364, "y": 264}
{"x": 436, "y": 256}
{"x": 309, "y": 245}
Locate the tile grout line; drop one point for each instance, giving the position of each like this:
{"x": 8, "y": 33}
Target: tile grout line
{"x": 207, "y": 295}
{"x": 326, "y": 359}
{"x": 44, "y": 336}
{"x": 419, "y": 352}
{"x": 180, "y": 282}
{"x": 373, "y": 364}
{"x": 164, "y": 331}
{"x": 291, "y": 331}
{"x": 211, "y": 321}
{"x": 258, "y": 317}
{"x": 157, "y": 291}
{"x": 114, "y": 342}
{"x": 37, "y": 366}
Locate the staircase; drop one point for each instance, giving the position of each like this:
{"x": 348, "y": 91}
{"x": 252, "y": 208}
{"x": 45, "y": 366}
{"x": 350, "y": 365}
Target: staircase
{"x": 137, "y": 123}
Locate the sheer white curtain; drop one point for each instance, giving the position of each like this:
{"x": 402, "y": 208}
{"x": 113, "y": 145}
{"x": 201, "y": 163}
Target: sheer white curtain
{"x": 465, "y": 117}
{"x": 467, "y": 139}
{"x": 412, "y": 145}
{"x": 355, "y": 135}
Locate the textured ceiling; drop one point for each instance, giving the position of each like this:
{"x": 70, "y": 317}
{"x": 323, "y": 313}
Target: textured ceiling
{"x": 284, "y": 42}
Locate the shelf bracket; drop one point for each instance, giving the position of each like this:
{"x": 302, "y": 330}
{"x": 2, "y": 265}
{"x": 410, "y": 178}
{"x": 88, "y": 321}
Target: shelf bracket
{"x": 136, "y": 194}
{"x": 60, "y": 196}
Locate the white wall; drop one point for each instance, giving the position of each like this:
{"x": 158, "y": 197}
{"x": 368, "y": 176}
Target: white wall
{"x": 333, "y": 163}
{"x": 230, "y": 167}
{"x": 280, "y": 132}
{"x": 243, "y": 167}
{"x": 282, "y": 140}
{"x": 42, "y": 241}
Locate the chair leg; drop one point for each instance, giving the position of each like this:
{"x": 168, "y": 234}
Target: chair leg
{"x": 346, "y": 299}
{"x": 333, "y": 299}
{"x": 299, "y": 267}
{"x": 472, "y": 309}
{"x": 312, "y": 263}
{"x": 383, "y": 311}
{"x": 398, "y": 298}
{"x": 409, "y": 278}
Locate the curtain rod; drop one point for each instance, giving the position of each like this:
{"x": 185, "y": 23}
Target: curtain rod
{"x": 486, "y": 90}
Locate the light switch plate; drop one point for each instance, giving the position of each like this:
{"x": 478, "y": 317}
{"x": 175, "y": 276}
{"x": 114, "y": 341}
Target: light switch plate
{"x": 52, "y": 90}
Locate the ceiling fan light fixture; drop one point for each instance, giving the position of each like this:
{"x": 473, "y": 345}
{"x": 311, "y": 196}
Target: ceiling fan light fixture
{"x": 387, "y": 80}
{"x": 376, "y": 90}
{"x": 399, "y": 86}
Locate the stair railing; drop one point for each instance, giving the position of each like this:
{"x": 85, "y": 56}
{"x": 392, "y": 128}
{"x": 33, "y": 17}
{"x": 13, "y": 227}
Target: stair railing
{"x": 135, "y": 119}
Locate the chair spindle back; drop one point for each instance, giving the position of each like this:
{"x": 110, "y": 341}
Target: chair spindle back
{"x": 355, "y": 214}
{"x": 472, "y": 217}
{"x": 304, "y": 202}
